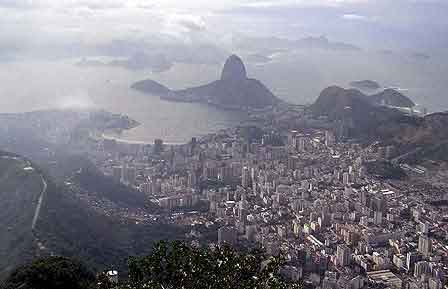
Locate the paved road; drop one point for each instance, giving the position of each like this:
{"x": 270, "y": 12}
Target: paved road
{"x": 403, "y": 156}
{"x": 39, "y": 204}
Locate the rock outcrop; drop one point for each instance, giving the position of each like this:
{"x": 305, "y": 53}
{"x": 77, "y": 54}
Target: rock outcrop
{"x": 233, "y": 90}
{"x": 392, "y": 97}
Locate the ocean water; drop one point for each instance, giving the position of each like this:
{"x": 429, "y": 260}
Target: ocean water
{"x": 43, "y": 85}
{"x": 297, "y": 77}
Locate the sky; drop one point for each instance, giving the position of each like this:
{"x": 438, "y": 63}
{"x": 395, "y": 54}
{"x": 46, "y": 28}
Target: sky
{"x": 34, "y": 25}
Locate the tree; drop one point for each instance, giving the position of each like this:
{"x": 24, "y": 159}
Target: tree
{"x": 177, "y": 265}
{"x": 170, "y": 266}
{"x": 51, "y": 273}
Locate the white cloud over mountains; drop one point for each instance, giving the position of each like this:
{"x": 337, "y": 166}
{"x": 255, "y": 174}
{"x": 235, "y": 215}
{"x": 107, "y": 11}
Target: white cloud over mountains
{"x": 36, "y": 23}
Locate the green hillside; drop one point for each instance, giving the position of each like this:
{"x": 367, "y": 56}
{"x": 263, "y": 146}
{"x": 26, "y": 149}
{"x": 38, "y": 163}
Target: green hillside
{"x": 20, "y": 187}
{"x": 65, "y": 225}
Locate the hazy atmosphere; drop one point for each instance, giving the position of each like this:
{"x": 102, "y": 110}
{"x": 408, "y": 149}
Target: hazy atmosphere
{"x": 85, "y": 53}
{"x": 227, "y": 143}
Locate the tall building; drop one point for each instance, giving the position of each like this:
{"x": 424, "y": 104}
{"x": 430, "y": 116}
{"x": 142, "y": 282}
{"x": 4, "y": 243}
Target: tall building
{"x": 129, "y": 175}
{"x": 330, "y": 280}
{"x": 158, "y": 146}
{"x": 242, "y": 215}
{"x": 364, "y": 197}
{"x": 193, "y": 145}
{"x": 292, "y": 139}
{"x": 192, "y": 179}
{"x": 424, "y": 227}
{"x": 116, "y": 173}
{"x": 346, "y": 178}
{"x": 378, "y": 218}
{"x": 301, "y": 144}
{"x": 293, "y": 162}
{"x": 378, "y": 204}
{"x": 411, "y": 259}
{"x": 343, "y": 255}
{"x": 329, "y": 138}
{"x": 424, "y": 245}
{"x": 421, "y": 268}
{"x": 245, "y": 178}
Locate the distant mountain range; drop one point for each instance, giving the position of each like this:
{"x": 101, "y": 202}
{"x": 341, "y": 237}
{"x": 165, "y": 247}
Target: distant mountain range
{"x": 234, "y": 90}
{"x": 276, "y": 43}
{"x": 322, "y": 42}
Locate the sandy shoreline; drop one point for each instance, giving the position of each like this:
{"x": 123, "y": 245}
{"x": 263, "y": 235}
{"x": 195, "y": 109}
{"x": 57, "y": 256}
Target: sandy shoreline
{"x": 126, "y": 141}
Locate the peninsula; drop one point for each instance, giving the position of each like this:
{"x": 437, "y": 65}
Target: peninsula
{"x": 233, "y": 91}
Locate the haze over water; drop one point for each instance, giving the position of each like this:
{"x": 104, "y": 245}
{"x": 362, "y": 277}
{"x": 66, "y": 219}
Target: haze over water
{"x": 295, "y": 77}
{"x": 63, "y": 85}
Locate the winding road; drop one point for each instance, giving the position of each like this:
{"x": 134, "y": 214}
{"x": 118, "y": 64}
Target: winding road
{"x": 39, "y": 204}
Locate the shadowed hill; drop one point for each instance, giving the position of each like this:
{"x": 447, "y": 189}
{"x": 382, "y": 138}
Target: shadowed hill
{"x": 424, "y": 132}
{"x": 425, "y": 137}
{"x": 66, "y": 225}
{"x": 350, "y": 107}
{"x": 20, "y": 187}
{"x": 391, "y": 97}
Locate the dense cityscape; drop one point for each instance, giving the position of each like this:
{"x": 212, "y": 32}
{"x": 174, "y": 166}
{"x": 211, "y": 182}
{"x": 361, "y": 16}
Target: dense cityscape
{"x": 309, "y": 194}
{"x": 223, "y": 144}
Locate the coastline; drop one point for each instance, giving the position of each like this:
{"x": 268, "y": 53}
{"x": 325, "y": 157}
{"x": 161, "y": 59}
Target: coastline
{"x": 118, "y": 139}
{"x": 206, "y": 102}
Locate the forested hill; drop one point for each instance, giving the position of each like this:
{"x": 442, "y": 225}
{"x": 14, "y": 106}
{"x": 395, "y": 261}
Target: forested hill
{"x": 42, "y": 217}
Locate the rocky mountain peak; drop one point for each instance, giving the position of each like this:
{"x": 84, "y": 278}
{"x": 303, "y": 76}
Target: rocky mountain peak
{"x": 234, "y": 69}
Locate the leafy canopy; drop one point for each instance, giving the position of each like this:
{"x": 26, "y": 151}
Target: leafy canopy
{"x": 178, "y": 265}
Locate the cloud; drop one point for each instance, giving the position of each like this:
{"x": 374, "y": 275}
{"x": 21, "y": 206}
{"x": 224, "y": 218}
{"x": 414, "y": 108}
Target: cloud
{"x": 299, "y": 3}
{"x": 183, "y": 26}
{"x": 55, "y": 4}
{"x": 355, "y": 17}
{"x": 22, "y": 4}
{"x": 95, "y": 4}
{"x": 37, "y": 24}
{"x": 188, "y": 21}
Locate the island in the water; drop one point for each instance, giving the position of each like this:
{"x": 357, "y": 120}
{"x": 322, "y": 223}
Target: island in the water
{"x": 156, "y": 63}
{"x": 233, "y": 91}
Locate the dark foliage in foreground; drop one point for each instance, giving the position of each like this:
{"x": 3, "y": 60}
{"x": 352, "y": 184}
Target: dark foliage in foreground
{"x": 169, "y": 266}
{"x": 51, "y": 273}
{"x": 178, "y": 265}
